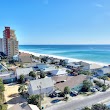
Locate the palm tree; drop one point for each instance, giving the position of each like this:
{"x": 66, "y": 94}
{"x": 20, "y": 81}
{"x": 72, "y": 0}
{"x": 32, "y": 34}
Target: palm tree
{"x": 99, "y": 77}
{"x": 104, "y": 78}
{"x": 22, "y": 89}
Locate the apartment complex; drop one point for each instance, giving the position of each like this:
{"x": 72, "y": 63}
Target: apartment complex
{"x": 10, "y": 43}
{"x": 1, "y": 45}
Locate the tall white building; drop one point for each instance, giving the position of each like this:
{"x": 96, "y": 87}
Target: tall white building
{"x": 1, "y": 45}
{"x": 10, "y": 42}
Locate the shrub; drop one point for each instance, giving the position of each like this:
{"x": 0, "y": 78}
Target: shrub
{"x": 32, "y": 74}
{"x": 42, "y": 75}
{"x": 86, "y": 86}
{"x": 98, "y": 83}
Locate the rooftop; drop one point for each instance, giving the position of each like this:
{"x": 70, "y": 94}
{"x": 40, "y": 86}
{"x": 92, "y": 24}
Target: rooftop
{"x": 44, "y": 83}
{"x": 16, "y": 107}
{"x": 24, "y": 54}
{"x": 71, "y": 81}
{"x": 23, "y": 71}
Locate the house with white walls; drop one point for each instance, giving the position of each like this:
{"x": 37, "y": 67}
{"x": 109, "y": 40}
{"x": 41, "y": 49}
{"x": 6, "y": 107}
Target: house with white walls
{"x": 23, "y": 71}
{"x": 44, "y": 86}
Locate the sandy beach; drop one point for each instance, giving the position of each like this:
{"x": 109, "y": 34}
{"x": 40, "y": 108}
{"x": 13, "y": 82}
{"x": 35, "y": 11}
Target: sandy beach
{"x": 70, "y": 59}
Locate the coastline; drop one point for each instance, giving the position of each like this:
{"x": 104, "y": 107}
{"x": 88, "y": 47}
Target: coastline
{"x": 70, "y": 59}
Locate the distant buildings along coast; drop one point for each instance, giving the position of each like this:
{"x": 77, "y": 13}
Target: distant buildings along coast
{"x": 9, "y": 43}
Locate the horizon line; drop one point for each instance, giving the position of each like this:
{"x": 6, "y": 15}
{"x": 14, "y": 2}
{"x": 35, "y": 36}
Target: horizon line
{"x": 64, "y": 44}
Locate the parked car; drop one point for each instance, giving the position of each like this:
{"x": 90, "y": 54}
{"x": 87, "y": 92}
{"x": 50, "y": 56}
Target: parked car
{"x": 94, "y": 89}
{"x": 55, "y": 101}
{"x": 61, "y": 94}
{"x": 98, "y": 88}
{"x": 74, "y": 93}
{"x": 52, "y": 95}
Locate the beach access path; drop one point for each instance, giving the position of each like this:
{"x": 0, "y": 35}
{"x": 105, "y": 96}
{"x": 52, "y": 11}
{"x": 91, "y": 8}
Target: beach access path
{"x": 78, "y": 104}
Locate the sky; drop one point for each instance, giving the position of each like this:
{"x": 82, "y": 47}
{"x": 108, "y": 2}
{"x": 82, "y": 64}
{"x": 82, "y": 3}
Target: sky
{"x": 57, "y": 21}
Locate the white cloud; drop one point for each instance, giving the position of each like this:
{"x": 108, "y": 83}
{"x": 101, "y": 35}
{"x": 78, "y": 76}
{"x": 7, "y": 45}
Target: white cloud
{"x": 99, "y": 5}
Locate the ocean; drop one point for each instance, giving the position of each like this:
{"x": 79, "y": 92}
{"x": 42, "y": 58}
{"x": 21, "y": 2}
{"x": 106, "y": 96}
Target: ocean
{"x": 95, "y": 53}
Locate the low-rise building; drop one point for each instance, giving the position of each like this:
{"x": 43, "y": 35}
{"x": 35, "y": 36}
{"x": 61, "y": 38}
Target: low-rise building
{"x": 58, "y": 72}
{"x": 23, "y": 71}
{"x": 8, "y": 77}
{"x": 72, "y": 65}
{"x": 89, "y": 67}
{"x": 43, "y": 86}
{"x": 25, "y": 57}
{"x": 42, "y": 66}
{"x": 74, "y": 82}
{"x": 102, "y": 71}
{"x": 24, "y": 106}
{"x": 16, "y": 107}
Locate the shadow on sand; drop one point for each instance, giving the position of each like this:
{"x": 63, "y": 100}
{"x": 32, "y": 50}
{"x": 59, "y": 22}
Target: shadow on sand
{"x": 16, "y": 100}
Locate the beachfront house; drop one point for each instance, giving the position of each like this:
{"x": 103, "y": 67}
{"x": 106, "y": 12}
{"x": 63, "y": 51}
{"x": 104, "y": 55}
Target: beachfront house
{"x": 25, "y": 57}
{"x": 8, "y": 77}
{"x": 41, "y": 86}
{"x": 72, "y": 65}
{"x": 55, "y": 61}
{"x": 23, "y": 71}
{"x": 89, "y": 66}
{"x": 66, "y": 61}
{"x": 103, "y": 70}
{"x": 74, "y": 82}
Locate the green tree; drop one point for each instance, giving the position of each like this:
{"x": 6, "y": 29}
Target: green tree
{"x": 22, "y": 89}
{"x": 66, "y": 90}
{"x": 99, "y": 107}
{"x": 104, "y": 78}
{"x": 2, "y": 88}
{"x": 86, "y": 86}
{"x": 35, "y": 100}
{"x": 86, "y": 108}
{"x": 42, "y": 75}
{"x": 1, "y": 107}
{"x": 22, "y": 78}
{"x": 68, "y": 71}
{"x": 32, "y": 74}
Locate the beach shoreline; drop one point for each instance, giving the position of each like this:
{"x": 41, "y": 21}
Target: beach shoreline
{"x": 60, "y": 57}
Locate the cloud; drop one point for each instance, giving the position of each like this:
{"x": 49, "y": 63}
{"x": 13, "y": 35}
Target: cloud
{"x": 99, "y": 5}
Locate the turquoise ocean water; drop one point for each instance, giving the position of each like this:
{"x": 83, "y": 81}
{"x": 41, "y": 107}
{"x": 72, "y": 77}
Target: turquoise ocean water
{"x": 96, "y": 53}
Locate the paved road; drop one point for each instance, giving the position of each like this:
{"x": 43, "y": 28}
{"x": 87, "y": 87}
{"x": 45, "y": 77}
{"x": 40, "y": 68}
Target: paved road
{"x": 102, "y": 81}
{"x": 78, "y": 104}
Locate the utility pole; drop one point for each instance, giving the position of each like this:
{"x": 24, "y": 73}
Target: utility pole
{"x": 40, "y": 95}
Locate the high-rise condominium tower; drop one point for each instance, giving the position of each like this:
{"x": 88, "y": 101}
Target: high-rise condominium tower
{"x": 10, "y": 42}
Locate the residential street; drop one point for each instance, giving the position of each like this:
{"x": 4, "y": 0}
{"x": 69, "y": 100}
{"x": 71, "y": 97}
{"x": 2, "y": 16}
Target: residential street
{"x": 80, "y": 103}
{"x": 100, "y": 80}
